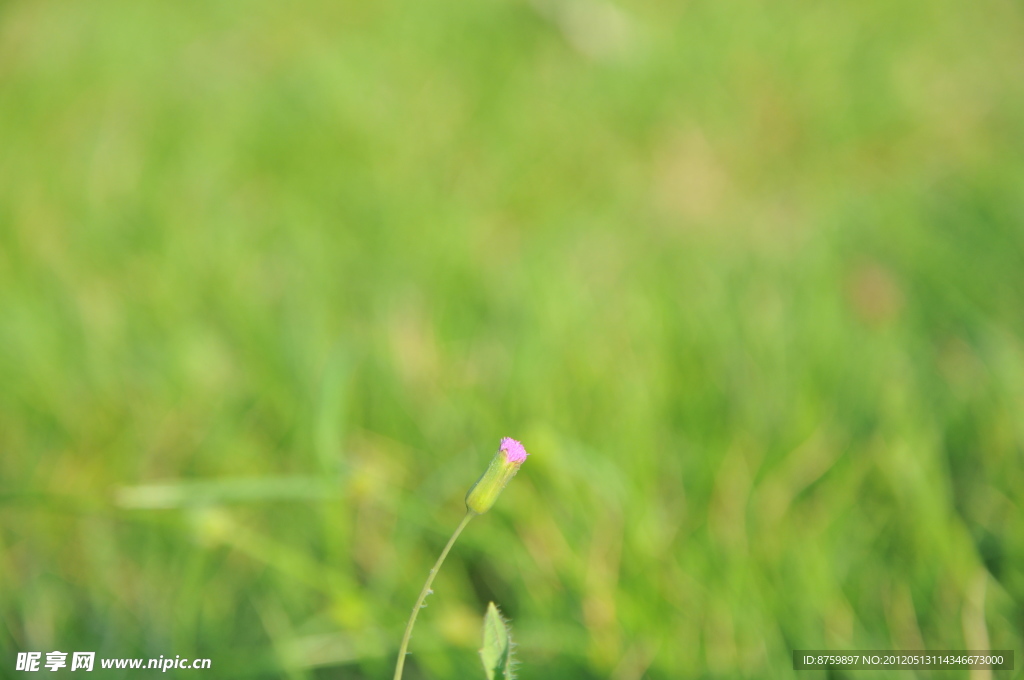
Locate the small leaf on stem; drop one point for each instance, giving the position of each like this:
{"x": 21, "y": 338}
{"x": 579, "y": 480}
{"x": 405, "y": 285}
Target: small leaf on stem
{"x": 496, "y": 653}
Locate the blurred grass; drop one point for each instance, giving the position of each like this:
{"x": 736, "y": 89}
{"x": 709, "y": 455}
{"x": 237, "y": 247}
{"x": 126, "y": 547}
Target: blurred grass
{"x": 746, "y": 278}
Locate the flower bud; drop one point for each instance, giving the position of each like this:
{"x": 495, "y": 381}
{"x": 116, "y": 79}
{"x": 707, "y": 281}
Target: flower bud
{"x": 503, "y": 467}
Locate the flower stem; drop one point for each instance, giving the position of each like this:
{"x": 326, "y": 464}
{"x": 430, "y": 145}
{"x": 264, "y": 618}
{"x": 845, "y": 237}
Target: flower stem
{"x": 403, "y": 649}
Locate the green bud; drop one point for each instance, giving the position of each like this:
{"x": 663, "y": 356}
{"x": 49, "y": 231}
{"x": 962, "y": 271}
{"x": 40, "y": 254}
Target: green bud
{"x": 503, "y": 467}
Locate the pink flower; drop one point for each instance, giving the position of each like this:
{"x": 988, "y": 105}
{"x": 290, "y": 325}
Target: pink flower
{"x": 503, "y": 467}
{"x": 514, "y": 451}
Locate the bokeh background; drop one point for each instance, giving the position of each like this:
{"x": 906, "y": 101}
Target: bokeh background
{"x": 746, "y": 278}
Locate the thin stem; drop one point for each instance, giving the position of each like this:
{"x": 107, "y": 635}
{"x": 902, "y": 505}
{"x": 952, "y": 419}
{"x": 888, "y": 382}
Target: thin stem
{"x": 426, "y": 591}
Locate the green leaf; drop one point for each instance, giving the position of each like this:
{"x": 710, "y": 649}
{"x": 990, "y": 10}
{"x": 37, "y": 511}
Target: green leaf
{"x": 496, "y": 653}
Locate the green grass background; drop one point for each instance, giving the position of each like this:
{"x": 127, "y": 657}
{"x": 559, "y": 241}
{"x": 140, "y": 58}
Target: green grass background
{"x": 746, "y": 278}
